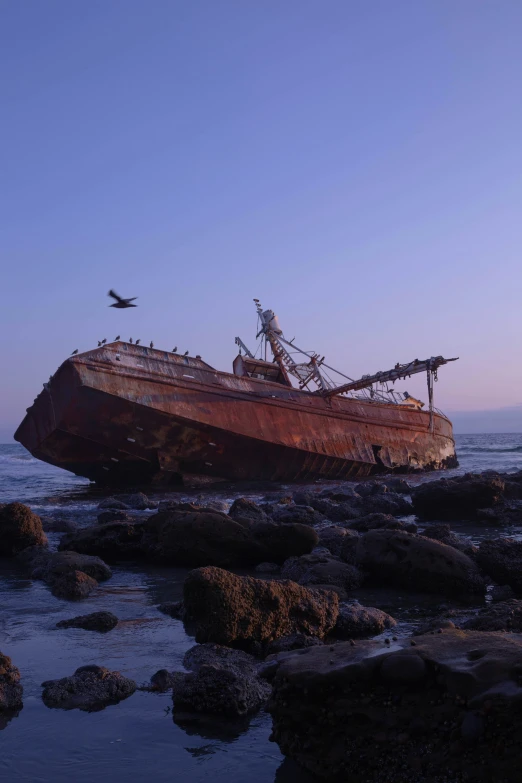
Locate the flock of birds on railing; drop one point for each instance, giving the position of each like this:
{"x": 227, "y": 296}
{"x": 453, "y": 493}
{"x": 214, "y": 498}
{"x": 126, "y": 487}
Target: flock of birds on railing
{"x": 121, "y": 304}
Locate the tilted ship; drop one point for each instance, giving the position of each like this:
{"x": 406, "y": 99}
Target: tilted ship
{"x": 124, "y": 413}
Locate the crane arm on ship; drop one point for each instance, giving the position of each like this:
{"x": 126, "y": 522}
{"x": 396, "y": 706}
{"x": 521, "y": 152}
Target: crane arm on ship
{"x": 398, "y": 372}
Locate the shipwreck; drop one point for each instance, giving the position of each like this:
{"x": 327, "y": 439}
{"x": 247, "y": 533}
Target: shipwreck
{"x": 127, "y": 414}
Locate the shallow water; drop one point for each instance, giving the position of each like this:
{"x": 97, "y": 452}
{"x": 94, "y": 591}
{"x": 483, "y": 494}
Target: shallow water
{"x": 138, "y": 739}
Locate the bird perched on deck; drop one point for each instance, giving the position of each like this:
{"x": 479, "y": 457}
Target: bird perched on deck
{"x": 104, "y": 341}
{"x": 151, "y": 344}
{"x": 74, "y": 352}
{"x": 130, "y": 340}
{"x": 120, "y": 302}
{"x": 186, "y": 353}
{"x": 138, "y": 341}
{"x": 99, "y": 343}
{"x": 175, "y": 350}
{"x": 117, "y": 338}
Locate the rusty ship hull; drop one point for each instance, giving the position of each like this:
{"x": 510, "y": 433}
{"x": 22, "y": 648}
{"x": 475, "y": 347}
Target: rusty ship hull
{"x": 129, "y": 414}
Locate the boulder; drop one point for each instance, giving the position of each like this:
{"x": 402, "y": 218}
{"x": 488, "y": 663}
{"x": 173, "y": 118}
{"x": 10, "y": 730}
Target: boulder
{"x": 398, "y": 485}
{"x": 113, "y": 515}
{"x": 302, "y": 515}
{"x": 394, "y": 557}
{"x": 296, "y": 641}
{"x": 384, "y": 502}
{"x": 368, "y": 489}
{"x": 334, "y": 539}
{"x": 138, "y": 501}
{"x": 501, "y": 559}
{"x": 50, "y": 566}
{"x": 280, "y": 541}
{"x": 440, "y": 531}
{"x": 117, "y": 540}
{"x": 316, "y": 569}
{"x": 501, "y": 616}
{"x": 239, "y": 611}
{"x": 89, "y": 688}
{"x": 221, "y": 681}
{"x": 456, "y": 498}
{"x": 360, "y": 622}
{"x": 378, "y": 521}
{"x": 59, "y": 525}
{"x": 113, "y": 503}
{"x": 447, "y": 708}
{"x": 174, "y": 609}
{"x": 19, "y": 529}
{"x": 335, "y": 512}
{"x": 96, "y": 621}
{"x": 11, "y": 691}
{"x": 267, "y": 568}
{"x": 343, "y": 494}
{"x": 245, "y": 509}
{"x": 73, "y": 585}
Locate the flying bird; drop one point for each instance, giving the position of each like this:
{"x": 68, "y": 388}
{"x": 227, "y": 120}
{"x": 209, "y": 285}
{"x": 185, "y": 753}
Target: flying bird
{"x": 104, "y": 341}
{"x": 99, "y": 343}
{"x": 151, "y": 344}
{"x": 138, "y": 341}
{"x": 130, "y": 340}
{"x": 186, "y": 353}
{"x": 74, "y": 352}
{"x": 116, "y": 338}
{"x": 120, "y": 302}
{"x": 175, "y": 350}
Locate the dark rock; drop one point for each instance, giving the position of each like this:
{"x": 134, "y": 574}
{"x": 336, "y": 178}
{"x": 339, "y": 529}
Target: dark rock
{"x": 73, "y": 585}
{"x": 303, "y": 497}
{"x": 302, "y": 515}
{"x": 243, "y": 508}
{"x": 360, "y": 622}
{"x": 315, "y": 569}
{"x": 221, "y": 681}
{"x": 163, "y": 680}
{"x": 441, "y": 531}
{"x": 19, "y": 529}
{"x": 96, "y": 621}
{"x": 11, "y": 691}
{"x": 379, "y": 521}
{"x": 238, "y": 611}
{"x": 50, "y": 566}
{"x": 398, "y": 485}
{"x": 296, "y": 641}
{"x": 502, "y": 593}
{"x": 457, "y": 498}
{"x": 112, "y": 540}
{"x": 360, "y": 712}
{"x": 417, "y": 563}
{"x": 335, "y": 538}
{"x": 280, "y": 541}
{"x": 502, "y": 616}
{"x": 113, "y": 515}
{"x": 90, "y": 688}
{"x": 174, "y": 609}
{"x": 335, "y": 512}
{"x": 385, "y": 503}
{"x": 370, "y": 488}
{"x": 340, "y": 494}
{"x": 501, "y": 559}
{"x": 58, "y": 525}
{"x": 267, "y": 568}
{"x": 113, "y": 503}
{"x": 139, "y": 502}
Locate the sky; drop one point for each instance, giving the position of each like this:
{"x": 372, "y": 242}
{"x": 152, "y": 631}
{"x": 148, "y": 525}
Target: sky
{"x": 354, "y": 164}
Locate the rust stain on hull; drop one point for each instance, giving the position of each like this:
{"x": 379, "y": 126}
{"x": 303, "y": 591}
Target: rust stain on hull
{"x": 126, "y": 413}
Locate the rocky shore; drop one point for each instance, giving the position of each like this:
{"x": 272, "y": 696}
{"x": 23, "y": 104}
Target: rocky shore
{"x": 340, "y": 678}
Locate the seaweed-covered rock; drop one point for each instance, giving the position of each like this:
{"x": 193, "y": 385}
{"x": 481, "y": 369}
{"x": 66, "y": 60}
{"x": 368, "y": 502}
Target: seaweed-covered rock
{"x": 89, "y": 688}
{"x": 320, "y": 569}
{"x": 501, "y": 558}
{"x": 240, "y": 611}
{"x": 96, "y": 621}
{"x": 19, "y": 528}
{"x": 457, "y": 498}
{"x": 360, "y": 622}
{"x": 447, "y": 708}
{"x": 73, "y": 585}
{"x": 11, "y": 691}
{"x": 394, "y": 557}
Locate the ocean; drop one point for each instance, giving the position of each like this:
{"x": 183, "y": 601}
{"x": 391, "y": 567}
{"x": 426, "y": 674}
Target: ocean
{"x": 138, "y": 738}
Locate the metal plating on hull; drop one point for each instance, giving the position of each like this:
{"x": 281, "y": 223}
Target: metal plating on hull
{"x": 126, "y": 414}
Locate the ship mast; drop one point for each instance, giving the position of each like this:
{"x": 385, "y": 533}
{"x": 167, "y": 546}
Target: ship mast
{"x": 314, "y": 369}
